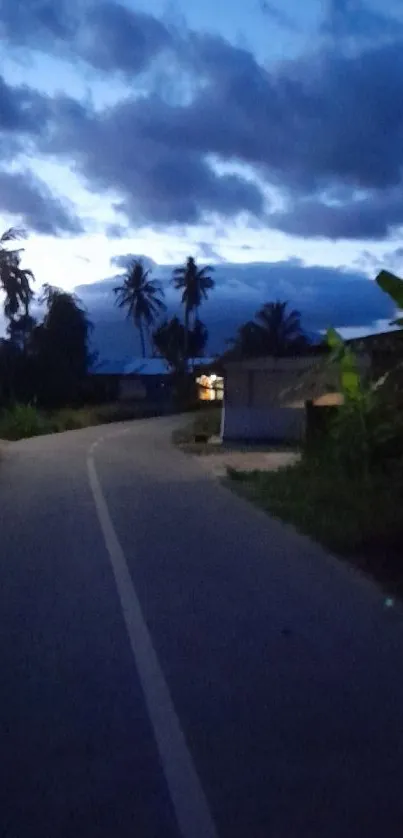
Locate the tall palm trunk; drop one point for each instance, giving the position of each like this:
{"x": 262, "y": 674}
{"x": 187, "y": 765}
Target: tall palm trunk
{"x": 195, "y": 319}
{"x": 25, "y": 336}
{"x": 142, "y": 338}
{"x": 186, "y": 340}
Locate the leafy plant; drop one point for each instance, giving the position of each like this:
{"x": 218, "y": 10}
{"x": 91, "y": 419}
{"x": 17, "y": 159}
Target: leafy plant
{"x": 393, "y": 286}
{"x": 367, "y": 432}
{"x": 341, "y": 354}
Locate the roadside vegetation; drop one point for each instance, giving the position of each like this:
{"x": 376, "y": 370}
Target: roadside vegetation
{"x": 22, "y": 421}
{"x": 356, "y": 519}
{"x": 45, "y": 360}
{"x": 347, "y": 491}
{"x": 198, "y": 429}
{"x": 46, "y": 355}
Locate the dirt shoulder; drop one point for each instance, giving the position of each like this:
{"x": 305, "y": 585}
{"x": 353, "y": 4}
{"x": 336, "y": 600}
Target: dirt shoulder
{"x": 247, "y": 461}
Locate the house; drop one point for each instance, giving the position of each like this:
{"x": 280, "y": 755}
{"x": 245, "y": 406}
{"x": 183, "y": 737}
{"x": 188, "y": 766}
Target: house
{"x": 265, "y": 398}
{"x": 150, "y": 380}
{"x": 133, "y": 379}
{"x": 385, "y": 350}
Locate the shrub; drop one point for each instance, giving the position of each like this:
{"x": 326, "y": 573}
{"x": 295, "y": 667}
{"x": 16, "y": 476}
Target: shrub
{"x": 208, "y": 422}
{"x": 361, "y": 520}
{"x": 71, "y": 419}
{"x": 23, "y": 420}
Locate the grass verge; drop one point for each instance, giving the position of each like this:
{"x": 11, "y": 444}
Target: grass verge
{"x": 23, "y": 421}
{"x": 359, "y": 520}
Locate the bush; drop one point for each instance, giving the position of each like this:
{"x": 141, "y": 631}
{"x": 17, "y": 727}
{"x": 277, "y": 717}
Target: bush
{"x": 72, "y": 419}
{"x": 119, "y": 412}
{"x": 23, "y": 420}
{"x": 356, "y": 518}
{"x": 208, "y": 422}
{"x": 205, "y": 424}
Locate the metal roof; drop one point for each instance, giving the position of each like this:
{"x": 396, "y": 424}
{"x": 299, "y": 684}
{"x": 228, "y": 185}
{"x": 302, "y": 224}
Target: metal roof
{"x": 140, "y": 366}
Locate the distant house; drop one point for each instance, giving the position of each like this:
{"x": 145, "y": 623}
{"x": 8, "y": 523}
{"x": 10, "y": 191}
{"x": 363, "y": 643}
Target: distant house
{"x": 265, "y": 398}
{"x": 133, "y": 379}
{"x": 150, "y": 379}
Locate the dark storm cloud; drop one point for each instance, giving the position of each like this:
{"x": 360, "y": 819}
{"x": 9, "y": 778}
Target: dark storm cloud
{"x": 372, "y": 217}
{"x": 36, "y": 22}
{"x": 121, "y": 38}
{"x": 22, "y": 110}
{"x": 109, "y": 36}
{"x": 324, "y": 296}
{"x": 325, "y": 119}
{"x": 158, "y": 183}
{"x": 24, "y": 115}
{"x": 357, "y": 19}
{"x": 182, "y": 188}
{"x": 26, "y": 197}
{"x": 325, "y": 129}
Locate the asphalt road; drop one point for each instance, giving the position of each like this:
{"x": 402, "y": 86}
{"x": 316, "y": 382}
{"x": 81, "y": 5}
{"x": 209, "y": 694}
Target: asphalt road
{"x": 174, "y": 664}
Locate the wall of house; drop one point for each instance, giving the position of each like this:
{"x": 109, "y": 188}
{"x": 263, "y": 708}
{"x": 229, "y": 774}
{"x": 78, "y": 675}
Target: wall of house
{"x": 253, "y": 411}
{"x": 274, "y": 424}
{"x": 152, "y": 390}
{"x": 100, "y": 388}
{"x": 265, "y": 398}
{"x": 131, "y": 389}
{"x": 267, "y": 381}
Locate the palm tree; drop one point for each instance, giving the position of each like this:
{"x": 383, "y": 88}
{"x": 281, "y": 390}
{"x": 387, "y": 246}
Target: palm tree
{"x": 15, "y": 282}
{"x": 281, "y": 328}
{"x": 141, "y": 297}
{"x": 169, "y": 341}
{"x": 248, "y": 342}
{"x": 195, "y": 283}
{"x": 275, "y": 331}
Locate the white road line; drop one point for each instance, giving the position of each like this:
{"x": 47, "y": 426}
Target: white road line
{"x": 188, "y": 798}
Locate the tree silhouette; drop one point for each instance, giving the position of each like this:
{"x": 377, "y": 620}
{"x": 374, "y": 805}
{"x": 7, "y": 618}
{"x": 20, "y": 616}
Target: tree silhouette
{"x": 275, "y": 331}
{"x": 61, "y": 348}
{"x": 195, "y": 283}
{"x": 281, "y": 327}
{"x": 20, "y": 330}
{"x": 198, "y": 337}
{"x": 15, "y": 282}
{"x": 171, "y": 343}
{"x": 141, "y": 297}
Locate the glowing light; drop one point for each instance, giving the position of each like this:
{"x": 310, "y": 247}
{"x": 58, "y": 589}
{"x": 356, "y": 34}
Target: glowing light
{"x": 211, "y": 388}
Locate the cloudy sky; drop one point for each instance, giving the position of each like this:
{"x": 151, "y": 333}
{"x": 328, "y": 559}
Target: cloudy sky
{"x": 263, "y": 136}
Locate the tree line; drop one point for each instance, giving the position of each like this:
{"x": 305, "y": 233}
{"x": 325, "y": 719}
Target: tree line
{"x": 143, "y": 299}
{"x": 276, "y": 330}
{"x": 45, "y": 358}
